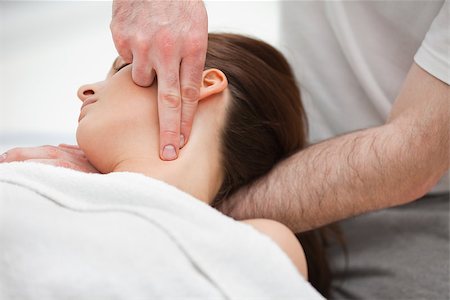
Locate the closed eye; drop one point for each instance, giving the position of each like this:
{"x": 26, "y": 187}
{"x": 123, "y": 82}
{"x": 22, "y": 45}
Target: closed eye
{"x": 117, "y": 69}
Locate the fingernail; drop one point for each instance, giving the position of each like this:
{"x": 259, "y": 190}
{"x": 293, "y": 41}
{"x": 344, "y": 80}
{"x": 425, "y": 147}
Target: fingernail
{"x": 169, "y": 152}
{"x": 3, "y": 157}
{"x": 181, "y": 141}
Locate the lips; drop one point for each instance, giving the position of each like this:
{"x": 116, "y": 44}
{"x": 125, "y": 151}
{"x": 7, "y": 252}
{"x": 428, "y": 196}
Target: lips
{"x": 85, "y": 103}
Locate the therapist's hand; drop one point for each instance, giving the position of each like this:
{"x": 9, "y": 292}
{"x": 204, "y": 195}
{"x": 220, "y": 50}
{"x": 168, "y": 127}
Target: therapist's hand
{"x": 66, "y": 156}
{"x": 167, "y": 39}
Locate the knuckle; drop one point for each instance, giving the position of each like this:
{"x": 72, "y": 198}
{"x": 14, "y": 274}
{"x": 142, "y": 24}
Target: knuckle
{"x": 142, "y": 44}
{"x": 121, "y": 42}
{"x": 190, "y": 93}
{"x": 119, "y": 35}
{"x": 171, "y": 100}
{"x": 195, "y": 46}
{"x": 170, "y": 134}
{"x": 83, "y": 159}
{"x": 166, "y": 40}
{"x": 166, "y": 48}
{"x": 166, "y": 55}
{"x": 197, "y": 43}
{"x": 65, "y": 164}
{"x": 51, "y": 152}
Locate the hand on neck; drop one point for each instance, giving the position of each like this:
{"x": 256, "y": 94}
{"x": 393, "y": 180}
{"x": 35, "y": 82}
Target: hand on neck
{"x": 197, "y": 169}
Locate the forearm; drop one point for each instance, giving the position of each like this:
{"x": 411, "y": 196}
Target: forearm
{"x": 360, "y": 171}
{"x": 345, "y": 176}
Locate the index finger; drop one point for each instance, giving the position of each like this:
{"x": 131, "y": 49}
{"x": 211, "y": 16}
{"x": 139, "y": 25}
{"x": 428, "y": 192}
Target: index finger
{"x": 169, "y": 111}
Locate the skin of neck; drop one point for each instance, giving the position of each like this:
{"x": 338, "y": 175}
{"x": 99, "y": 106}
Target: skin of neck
{"x": 197, "y": 170}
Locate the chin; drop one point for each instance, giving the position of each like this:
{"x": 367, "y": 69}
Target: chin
{"x": 92, "y": 148}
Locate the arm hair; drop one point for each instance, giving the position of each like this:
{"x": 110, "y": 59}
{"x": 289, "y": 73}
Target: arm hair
{"x": 362, "y": 171}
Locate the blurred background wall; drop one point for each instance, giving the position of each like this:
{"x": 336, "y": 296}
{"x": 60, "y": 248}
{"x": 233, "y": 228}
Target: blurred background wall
{"x": 49, "y": 49}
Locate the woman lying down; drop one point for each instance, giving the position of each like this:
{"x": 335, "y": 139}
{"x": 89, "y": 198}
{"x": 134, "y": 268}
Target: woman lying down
{"x": 146, "y": 228}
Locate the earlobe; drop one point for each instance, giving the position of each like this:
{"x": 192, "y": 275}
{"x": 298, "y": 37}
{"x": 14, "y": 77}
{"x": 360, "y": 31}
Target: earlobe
{"x": 214, "y": 82}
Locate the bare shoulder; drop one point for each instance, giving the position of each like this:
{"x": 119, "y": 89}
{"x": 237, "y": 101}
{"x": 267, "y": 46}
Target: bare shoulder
{"x": 285, "y": 238}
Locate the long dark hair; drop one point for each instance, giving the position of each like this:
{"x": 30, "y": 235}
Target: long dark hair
{"x": 265, "y": 123}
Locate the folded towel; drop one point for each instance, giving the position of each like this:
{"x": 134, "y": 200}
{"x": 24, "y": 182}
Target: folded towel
{"x": 71, "y": 235}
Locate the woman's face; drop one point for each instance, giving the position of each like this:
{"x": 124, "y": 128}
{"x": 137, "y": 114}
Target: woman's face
{"x": 117, "y": 118}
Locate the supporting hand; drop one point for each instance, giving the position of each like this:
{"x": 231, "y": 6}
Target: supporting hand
{"x": 66, "y": 156}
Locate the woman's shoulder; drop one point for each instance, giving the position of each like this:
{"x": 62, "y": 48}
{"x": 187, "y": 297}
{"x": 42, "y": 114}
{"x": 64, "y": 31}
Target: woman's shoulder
{"x": 285, "y": 239}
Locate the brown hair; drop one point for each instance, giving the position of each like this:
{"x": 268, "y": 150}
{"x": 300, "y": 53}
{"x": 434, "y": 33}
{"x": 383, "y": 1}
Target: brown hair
{"x": 265, "y": 123}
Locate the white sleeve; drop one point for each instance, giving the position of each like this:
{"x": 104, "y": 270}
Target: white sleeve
{"x": 434, "y": 53}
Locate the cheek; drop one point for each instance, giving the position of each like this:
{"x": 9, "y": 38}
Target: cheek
{"x": 102, "y": 142}
{"x": 91, "y": 138}
{"x": 108, "y": 133}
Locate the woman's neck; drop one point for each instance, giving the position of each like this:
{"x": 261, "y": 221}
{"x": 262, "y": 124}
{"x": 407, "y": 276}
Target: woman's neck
{"x": 197, "y": 170}
{"x": 198, "y": 176}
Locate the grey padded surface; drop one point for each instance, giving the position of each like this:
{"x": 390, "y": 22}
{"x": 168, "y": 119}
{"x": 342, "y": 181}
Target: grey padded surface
{"x": 396, "y": 253}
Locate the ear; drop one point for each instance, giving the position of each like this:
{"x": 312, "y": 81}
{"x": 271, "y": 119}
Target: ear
{"x": 214, "y": 82}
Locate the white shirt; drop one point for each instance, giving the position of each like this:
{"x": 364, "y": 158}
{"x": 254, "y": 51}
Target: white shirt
{"x": 352, "y": 57}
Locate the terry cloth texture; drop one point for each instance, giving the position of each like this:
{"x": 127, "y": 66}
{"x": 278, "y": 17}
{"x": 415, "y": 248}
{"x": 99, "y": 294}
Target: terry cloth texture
{"x": 70, "y": 235}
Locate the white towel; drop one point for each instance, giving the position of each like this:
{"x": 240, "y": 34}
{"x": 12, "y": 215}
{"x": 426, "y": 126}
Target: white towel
{"x": 71, "y": 235}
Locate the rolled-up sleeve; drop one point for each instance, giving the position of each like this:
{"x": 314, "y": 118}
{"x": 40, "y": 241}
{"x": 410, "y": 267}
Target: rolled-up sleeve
{"x": 434, "y": 53}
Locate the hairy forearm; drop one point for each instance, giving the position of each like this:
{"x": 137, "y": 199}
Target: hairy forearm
{"x": 361, "y": 171}
{"x": 345, "y": 176}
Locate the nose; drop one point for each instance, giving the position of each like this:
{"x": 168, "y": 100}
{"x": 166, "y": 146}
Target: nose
{"x": 86, "y": 91}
